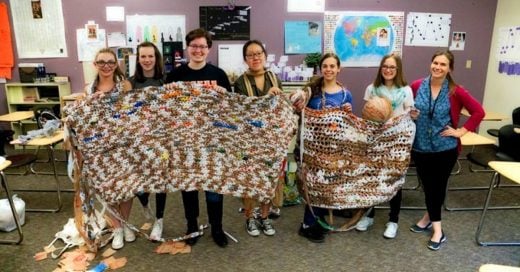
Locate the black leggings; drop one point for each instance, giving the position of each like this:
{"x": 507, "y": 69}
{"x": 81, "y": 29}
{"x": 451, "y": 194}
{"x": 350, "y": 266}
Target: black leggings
{"x": 395, "y": 208}
{"x": 160, "y": 203}
{"x": 434, "y": 170}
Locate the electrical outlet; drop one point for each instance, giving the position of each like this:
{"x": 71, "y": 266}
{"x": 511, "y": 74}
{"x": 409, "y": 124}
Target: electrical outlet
{"x": 468, "y": 64}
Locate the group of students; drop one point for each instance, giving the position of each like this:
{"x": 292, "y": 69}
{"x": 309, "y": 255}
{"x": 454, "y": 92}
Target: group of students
{"x": 434, "y": 102}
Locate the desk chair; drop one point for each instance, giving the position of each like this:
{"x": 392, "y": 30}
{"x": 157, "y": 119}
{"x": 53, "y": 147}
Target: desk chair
{"x": 24, "y": 160}
{"x": 42, "y": 117}
{"x": 469, "y": 139}
{"x": 516, "y": 121}
{"x": 48, "y": 142}
{"x": 4, "y": 165}
{"x": 510, "y": 170}
{"x": 507, "y": 142}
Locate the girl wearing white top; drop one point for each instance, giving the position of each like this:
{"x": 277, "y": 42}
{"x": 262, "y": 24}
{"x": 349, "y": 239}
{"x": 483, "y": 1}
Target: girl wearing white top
{"x": 389, "y": 83}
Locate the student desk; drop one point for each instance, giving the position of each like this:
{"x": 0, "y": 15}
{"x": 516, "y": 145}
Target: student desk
{"x": 4, "y": 165}
{"x": 490, "y": 116}
{"x": 473, "y": 139}
{"x": 48, "y": 142}
{"x": 510, "y": 170}
{"x": 16, "y": 116}
{"x": 498, "y": 268}
{"x": 469, "y": 139}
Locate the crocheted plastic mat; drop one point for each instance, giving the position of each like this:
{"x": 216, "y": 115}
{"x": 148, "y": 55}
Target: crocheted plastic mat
{"x": 349, "y": 162}
{"x": 190, "y": 138}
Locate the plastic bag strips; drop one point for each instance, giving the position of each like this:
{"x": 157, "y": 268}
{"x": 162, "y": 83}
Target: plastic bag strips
{"x": 349, "y": 162}
{"x": 190, "y": 138}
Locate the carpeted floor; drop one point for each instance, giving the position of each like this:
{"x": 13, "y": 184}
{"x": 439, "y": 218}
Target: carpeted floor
{"x": 287, "y": 251}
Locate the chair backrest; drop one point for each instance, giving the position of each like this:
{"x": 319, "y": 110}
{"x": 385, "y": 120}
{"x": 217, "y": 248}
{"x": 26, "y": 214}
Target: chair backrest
{"x": 43, "y": 115}
{"x": 509, "y": 142}
{"x": 516, "y": 116}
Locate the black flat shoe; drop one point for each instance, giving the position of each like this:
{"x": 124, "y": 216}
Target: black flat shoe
{"x": 219, "y": 237}
{"x": 313, "y": 233}
{"x": 417, "y": 229}
{"x": 437, "y": 245}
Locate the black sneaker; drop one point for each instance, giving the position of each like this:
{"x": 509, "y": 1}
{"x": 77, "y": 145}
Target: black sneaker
{"x": 219, "y": 237}
{"x": 313, "y": 233}
{"x": 322, "y": 227}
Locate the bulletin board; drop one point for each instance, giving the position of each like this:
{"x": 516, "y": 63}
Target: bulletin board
{"x": 428, "y": 29}
{"x": 39, "y": 29}
{"x": 225, "y": 23}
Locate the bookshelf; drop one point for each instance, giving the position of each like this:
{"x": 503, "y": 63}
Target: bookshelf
{"x": 34, "y": 96}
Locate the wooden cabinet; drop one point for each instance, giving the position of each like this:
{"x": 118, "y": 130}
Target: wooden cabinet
{"x": 33, "y": 96}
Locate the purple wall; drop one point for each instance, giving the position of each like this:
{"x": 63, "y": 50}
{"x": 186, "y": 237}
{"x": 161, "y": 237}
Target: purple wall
{"x": 475, "y": 17}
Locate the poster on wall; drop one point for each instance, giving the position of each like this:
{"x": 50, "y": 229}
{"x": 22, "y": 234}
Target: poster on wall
{"x": 508, "y": 50}
{"x": 361, "y": 39}
{"x": 156, "y": 29}
{"x": 428, "y": 29}
{"x": 458, "y": 41}
{"x": 230, "y": 60}
{"x": 302, "y": 37}
{"x": 87, "y": 46}
{"x": 39, "y": 29}
{"x": 226, "y": 23}
{"x": 92, "y": 31}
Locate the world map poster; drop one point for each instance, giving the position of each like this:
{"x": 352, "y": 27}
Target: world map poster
{"x": 361, "y": 39}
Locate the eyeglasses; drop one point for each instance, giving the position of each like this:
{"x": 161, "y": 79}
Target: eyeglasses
{"x": 195, "y": 47}
{"x": 254, "y": 55}
{"x": 391, "y": 68}
{"x": 102, "y": 63}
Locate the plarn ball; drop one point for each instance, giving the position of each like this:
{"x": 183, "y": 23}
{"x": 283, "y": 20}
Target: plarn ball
{"x": 377, "y": 109}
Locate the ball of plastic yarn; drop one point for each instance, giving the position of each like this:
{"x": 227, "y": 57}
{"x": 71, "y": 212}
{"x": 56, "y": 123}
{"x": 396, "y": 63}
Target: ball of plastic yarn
{"x": 377, "y": 109}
